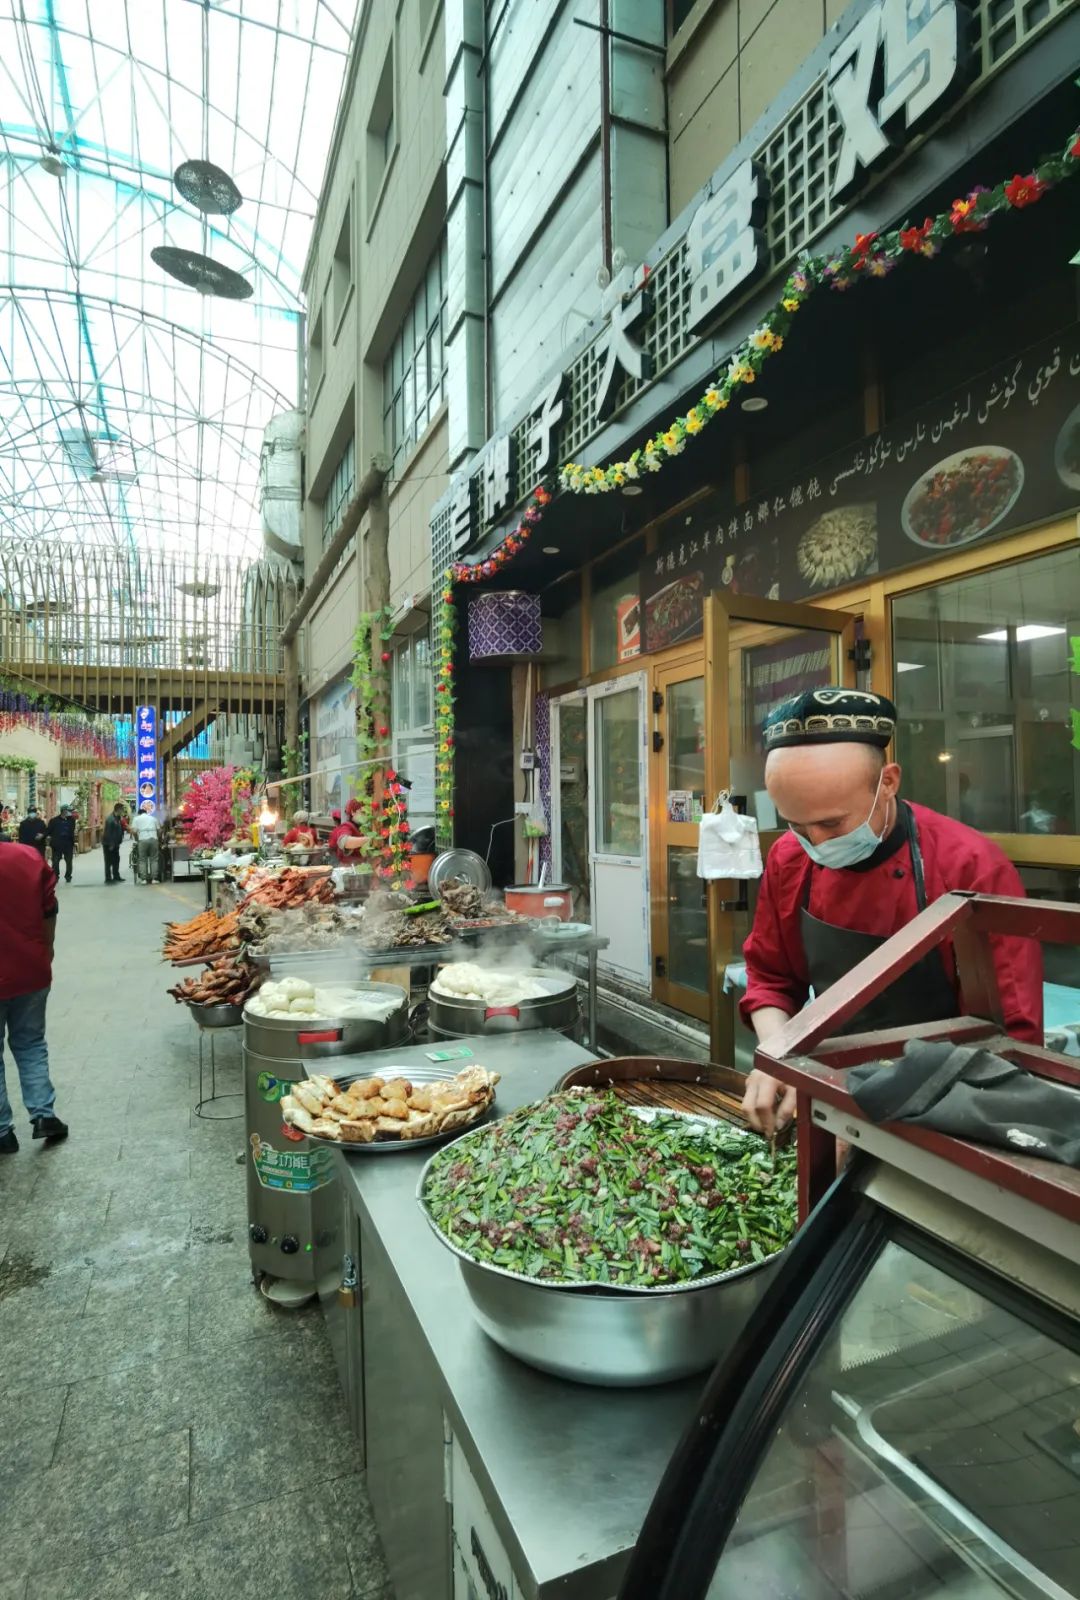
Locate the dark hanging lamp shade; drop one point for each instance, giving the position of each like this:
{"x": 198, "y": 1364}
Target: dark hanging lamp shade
{"x": 202, "y": 273}
{"x": 208, "y": 187}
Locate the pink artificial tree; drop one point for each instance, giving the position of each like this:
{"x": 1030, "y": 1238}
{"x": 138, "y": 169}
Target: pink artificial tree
{"x": 208, "y": 806}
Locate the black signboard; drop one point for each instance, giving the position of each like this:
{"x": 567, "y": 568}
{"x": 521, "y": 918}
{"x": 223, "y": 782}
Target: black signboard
{"x": 1000, "y": 453}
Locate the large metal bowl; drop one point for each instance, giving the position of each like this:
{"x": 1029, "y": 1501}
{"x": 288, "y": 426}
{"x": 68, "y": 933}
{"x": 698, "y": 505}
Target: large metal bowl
{"x": 219, "y": 1016}
{"x": 617, "y": 1338}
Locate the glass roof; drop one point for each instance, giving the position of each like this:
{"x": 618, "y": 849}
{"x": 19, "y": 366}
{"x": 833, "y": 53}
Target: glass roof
{"x": 132, "y": 407}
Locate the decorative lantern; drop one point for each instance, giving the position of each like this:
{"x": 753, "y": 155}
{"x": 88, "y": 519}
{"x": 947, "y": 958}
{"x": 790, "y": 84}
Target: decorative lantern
{"x": 504, "y": 623}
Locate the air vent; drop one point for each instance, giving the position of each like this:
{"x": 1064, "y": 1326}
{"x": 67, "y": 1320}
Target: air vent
{"x": 202, "y": 273}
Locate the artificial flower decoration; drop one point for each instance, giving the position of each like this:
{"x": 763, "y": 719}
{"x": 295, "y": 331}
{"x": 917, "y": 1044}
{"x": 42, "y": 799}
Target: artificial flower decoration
{"x": 918, "y": 240}
{"x": 1020, "y": 192}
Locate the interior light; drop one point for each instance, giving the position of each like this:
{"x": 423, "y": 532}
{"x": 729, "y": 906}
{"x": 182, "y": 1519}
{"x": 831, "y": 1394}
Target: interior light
{"x": 945, "y": 755}
{"x": 267, "y": 818}
{"x": 550, "y": 549}
{"x": 53, "y": 165}
{"x": 1025, "y": 632}
{"x": 910, "y": 666}
{"x": 756, "y": 402}
{"x": 632, "y": 488}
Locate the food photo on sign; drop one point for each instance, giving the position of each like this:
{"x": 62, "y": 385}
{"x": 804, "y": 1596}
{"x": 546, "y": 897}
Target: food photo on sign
{"x": 997, "y": 454}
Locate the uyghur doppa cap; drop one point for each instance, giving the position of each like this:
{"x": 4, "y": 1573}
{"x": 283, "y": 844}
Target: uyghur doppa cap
{"x": 831, "y": 716}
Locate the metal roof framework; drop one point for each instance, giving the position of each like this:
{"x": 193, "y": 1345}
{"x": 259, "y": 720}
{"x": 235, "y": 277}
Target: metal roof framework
{"x": 132, "y": 408}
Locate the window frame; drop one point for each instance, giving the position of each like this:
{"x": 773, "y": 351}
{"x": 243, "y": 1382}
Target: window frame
{"x": 421, "y": 331}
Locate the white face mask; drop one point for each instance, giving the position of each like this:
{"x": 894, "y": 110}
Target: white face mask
{"x": 847, "y": 849}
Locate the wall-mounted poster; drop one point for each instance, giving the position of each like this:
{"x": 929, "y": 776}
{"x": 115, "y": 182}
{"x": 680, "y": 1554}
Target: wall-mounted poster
{"x": 335, "y": 747}
{"x": 1000, "y": 453}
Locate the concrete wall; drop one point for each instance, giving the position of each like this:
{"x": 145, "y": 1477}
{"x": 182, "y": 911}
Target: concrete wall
{"x": 392, "y": 191}
{"x": 726, "y": 63}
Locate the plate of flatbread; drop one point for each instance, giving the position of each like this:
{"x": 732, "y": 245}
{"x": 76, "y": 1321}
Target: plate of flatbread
{"x": 374, "y": 1114}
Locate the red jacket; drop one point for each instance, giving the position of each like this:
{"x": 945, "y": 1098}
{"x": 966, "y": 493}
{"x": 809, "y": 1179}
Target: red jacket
{"x": 27, "y": 898}
{"x": 881, "y": 899}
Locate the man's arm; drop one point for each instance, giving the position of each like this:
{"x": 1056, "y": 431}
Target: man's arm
{"x": 774, "y": 992}
{"x": 48, "y": 907}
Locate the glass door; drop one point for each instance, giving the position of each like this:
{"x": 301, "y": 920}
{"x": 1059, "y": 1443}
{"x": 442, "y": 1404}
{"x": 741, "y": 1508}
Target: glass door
{"x": 680, "y": 921}
{"x": 757, "y": 654}
{"x": 617, "y": 844}
{"x": 570, "y": 799}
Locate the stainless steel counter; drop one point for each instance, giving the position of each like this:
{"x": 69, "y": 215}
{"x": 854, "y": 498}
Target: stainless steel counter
{"x": 566, "y": 1472}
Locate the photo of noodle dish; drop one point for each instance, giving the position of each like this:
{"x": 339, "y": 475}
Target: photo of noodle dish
{"x": 839, "y": 545}
{"x": 962, "y": 497}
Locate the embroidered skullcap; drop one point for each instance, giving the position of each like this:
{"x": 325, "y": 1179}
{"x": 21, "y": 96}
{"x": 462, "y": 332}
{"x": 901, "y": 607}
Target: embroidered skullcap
{"x": 831, "y": 716}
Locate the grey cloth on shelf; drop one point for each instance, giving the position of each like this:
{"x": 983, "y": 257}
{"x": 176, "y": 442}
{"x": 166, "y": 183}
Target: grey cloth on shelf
{"x": 972, "y": 1094}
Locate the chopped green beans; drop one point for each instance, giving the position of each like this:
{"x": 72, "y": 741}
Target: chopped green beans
{"x": 578, "y": 1189}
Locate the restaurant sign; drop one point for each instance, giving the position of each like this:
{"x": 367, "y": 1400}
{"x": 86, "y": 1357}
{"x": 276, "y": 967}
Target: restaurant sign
{"x": 146, "y": 744}
{"x": 1000, "y": 453}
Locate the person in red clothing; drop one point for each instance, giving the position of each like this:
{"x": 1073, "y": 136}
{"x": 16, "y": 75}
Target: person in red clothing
{"x": 857, "y": 863}
{"x": 27, "y": 933}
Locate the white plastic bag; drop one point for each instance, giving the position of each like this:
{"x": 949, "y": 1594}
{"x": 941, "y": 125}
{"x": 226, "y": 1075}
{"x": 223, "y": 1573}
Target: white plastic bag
{"x": 728, "y": 845}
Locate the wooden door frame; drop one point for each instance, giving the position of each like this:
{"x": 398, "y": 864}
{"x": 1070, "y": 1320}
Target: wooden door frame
{"x": 689, "y": 1001}
{"x": 720, "y": 611}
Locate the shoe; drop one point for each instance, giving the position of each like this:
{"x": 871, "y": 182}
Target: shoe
{"x": 50, "y": 1128}
{"x": 119, "y": 879}
{"x": 8, "y": 1143}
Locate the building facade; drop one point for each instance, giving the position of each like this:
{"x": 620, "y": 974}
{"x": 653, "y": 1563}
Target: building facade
{"x": 808, "y": 509}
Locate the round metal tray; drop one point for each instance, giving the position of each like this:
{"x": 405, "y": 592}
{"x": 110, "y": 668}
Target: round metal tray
{"x": 385, "y": 1147}
{"x": 600, "y": 1290}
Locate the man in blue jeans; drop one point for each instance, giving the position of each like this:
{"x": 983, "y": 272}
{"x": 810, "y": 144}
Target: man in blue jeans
{"x": 27, "y": 934}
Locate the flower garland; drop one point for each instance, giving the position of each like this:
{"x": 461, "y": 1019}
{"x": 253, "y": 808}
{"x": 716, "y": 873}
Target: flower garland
{"x": 872, "y": 256}
{"x": 18, "y": 763}
{"x": 371, "y": 679}
{"x": 395, "y": 848}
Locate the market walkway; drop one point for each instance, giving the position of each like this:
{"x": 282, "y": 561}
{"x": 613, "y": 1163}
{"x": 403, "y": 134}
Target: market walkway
{"x": 164, "y": 1433}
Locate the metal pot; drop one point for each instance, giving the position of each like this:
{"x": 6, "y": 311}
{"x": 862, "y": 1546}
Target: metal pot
{"x": 530, "y": 900}
{"x": 216, "y": 1016}
{"x": 559, "y": 1009}
{"x": 313, "y": 1038}
{"x": 615, "y": 1340}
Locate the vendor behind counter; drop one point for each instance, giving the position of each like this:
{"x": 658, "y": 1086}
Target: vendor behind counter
{"x": 857, "y": 863}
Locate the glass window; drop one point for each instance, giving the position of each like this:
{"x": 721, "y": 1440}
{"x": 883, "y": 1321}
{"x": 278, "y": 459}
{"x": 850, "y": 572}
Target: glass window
{"x": 341, "y": 490}
{"x": 414, "y": 373}
{"x": 572, "y": 777}
{"x": 989, "y": 696}
{"x": 686, "y": 736}
{"x": 615, "y": 630}
{"x": 618, "y": 768}
{"x": 688, "y": 921}
{"x": 930, "y": 1451}
{"x": 412, "y": 729}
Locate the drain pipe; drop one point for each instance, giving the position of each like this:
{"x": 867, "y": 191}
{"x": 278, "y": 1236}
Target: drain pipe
{"x": 367, "y": 490}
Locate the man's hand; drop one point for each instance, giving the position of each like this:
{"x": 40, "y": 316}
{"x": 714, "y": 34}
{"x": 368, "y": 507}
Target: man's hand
{"x": 759, "y": 1103}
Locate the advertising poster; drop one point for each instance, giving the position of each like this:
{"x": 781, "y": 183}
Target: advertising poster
{"x": 146, "y": 768}
{"x": 335, "y": 746}
{"x": 1000, "y": 453}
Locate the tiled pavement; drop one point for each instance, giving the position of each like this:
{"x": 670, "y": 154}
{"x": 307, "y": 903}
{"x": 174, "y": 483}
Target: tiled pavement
{"x": 165, "y": 1434}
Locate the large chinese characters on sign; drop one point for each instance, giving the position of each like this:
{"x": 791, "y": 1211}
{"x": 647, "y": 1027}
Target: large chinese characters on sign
{"x": 146, "y": 744}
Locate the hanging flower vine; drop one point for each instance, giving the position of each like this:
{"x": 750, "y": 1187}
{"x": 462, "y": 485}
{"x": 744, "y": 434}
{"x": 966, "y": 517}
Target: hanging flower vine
{"x": 871, "y": 257}
{"x": 370, "y": 678}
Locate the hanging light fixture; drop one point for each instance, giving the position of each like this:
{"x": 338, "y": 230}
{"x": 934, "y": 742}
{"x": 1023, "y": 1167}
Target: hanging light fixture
{"x": 52, "y": 162}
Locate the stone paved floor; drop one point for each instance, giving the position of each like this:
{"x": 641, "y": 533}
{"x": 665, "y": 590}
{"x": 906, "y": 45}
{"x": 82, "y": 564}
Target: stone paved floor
{"x": 165, "y": 1434}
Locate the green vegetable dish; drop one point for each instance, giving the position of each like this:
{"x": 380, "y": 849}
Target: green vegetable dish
{"x": 578, "y": 1189}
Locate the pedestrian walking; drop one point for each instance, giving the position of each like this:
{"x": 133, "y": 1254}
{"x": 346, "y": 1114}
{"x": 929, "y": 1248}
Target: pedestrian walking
{"x": 112, "y": 837}
{"x": 145, "y": 829}
{"x": 33, "y": 830}
{"x": 62, "y": 841}
{"x": 27, "y": 934}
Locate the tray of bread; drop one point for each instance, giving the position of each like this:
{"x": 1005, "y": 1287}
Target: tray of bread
{"x": 367, "y": 1114}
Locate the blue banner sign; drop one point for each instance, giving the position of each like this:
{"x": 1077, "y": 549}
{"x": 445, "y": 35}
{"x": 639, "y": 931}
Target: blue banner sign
{"x": 146, "y": 739}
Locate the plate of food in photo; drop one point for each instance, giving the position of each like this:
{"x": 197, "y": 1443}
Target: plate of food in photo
{"x": 839, "y": 545}
{"x": 962, "y": 497}
{"x": 1067, "y": 450}
{"x": 674, "y": 612}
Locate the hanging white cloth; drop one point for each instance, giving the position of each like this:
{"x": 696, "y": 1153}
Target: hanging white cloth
{"x": 728, "y": 845}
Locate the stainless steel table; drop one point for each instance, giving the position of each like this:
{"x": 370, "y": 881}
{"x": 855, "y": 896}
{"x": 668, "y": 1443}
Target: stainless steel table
{"x": 565, "y": 1473}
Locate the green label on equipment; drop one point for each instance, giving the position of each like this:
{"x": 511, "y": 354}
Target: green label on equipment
{"x": 271, "y": 1088}
{"x": 296, "y": 1171}
{"x": 457, "y": 1052}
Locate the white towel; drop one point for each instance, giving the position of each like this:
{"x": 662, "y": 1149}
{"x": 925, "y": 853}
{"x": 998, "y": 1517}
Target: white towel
{"x": 728, "y": 845}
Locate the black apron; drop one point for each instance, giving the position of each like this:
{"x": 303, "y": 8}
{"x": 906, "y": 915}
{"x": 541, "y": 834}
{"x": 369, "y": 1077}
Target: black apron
{"x": 924, "y": 993}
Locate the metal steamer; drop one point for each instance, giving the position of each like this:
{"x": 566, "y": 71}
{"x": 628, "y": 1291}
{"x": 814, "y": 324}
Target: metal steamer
{"x": 449, "y": 1016}
{"x": 285, "y": 1171}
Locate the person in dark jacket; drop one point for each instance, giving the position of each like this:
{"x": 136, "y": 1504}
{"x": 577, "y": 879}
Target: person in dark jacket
{"x": 32, "y": 829}
{"x": 62, "y": 841}
{"x": 112, "y": 837}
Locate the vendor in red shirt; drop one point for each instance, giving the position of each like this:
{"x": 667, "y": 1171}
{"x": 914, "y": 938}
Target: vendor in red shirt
{"x": 856, "y": 864}
{"x": 345, "y": 838}
{"x": 300, "y": 832}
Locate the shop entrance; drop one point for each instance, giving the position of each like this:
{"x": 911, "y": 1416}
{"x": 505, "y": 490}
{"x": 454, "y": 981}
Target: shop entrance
{"x": 618, "y": 854}
{"x": 757, "y": 653}
{"x": 677, "y": 786}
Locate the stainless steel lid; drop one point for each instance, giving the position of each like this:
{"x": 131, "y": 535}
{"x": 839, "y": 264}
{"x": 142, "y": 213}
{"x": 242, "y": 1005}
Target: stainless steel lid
{"x": 456, "y": 864}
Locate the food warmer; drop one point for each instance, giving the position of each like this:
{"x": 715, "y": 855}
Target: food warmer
{"x": 284, "y": 1169}
{"x": 451, "y": 1017}
{"x": 902, "y": 1416}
